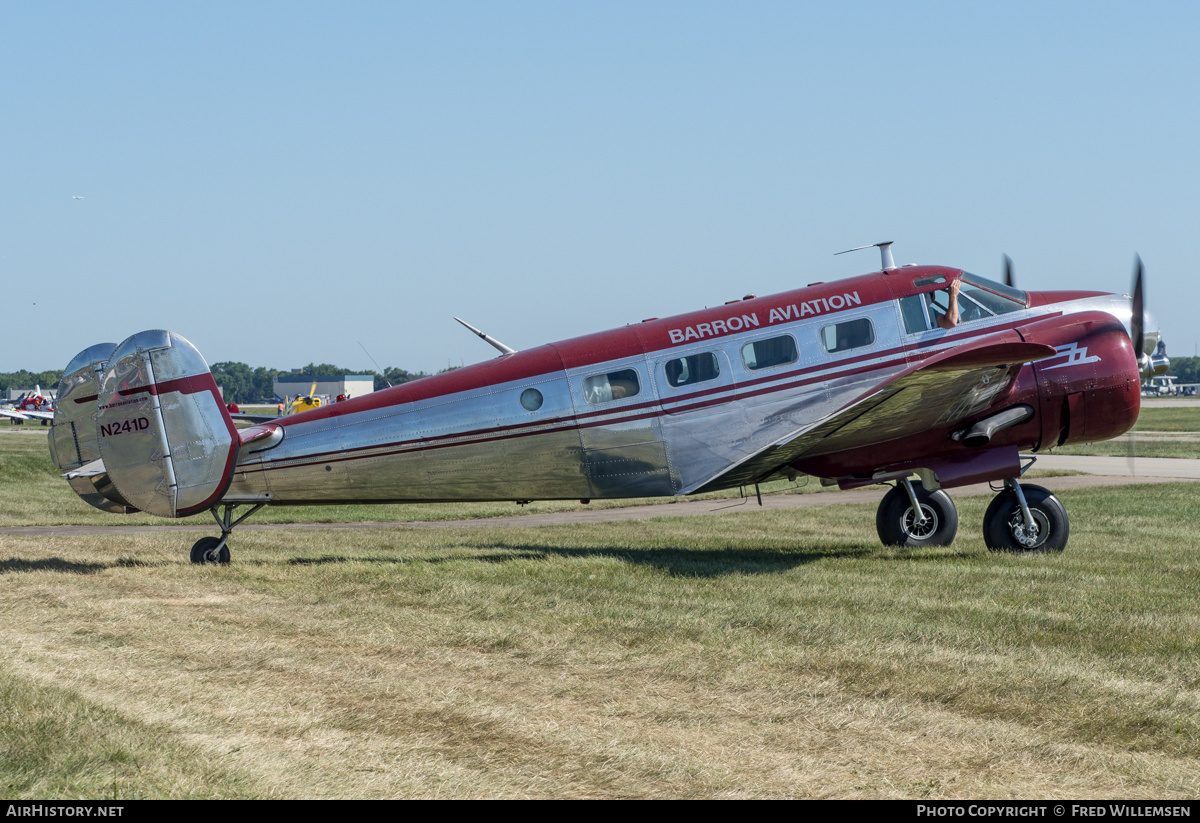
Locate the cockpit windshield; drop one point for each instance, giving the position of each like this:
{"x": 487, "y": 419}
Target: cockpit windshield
{"x": 996, "y": 297}
{"x": 970, "y": 299}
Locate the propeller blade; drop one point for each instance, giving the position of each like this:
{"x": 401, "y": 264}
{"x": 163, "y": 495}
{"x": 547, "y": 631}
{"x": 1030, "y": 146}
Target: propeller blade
{"x": 1131, "y": 458}
{"x": 1008, "y": 272}
{"x": 1137, "y": 323}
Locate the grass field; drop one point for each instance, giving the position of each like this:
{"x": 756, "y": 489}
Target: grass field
{"x": 761, "y": 653}
{"x": 1183, "y": 419}
{"x": 1160, "y": 432}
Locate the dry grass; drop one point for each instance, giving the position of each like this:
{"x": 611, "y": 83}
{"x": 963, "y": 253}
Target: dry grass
{"x": 754, "y": 654}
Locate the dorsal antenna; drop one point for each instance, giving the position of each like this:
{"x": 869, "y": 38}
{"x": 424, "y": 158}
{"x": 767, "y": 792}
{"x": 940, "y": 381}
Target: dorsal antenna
{"x": 503, "y": 349}
{"x": 885, "y": 252}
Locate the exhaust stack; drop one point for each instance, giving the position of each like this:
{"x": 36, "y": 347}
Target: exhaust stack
{"x": 982, "y": 432}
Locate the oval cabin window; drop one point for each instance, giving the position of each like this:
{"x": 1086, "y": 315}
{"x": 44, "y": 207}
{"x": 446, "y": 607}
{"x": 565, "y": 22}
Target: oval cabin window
{"x": 531, "y": 399}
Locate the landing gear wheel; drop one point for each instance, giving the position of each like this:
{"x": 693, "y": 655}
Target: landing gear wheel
{"x": 1005, "y": 530}
{"x": 202, "y": 551}
{"x": 899, "y": 525}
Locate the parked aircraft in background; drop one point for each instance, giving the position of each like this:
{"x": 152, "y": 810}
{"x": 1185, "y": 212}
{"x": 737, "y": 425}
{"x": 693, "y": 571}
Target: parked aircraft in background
{"x": 303, "y": 403}
{"x": 30, "y": 406}
{"x": 854, "y": 382}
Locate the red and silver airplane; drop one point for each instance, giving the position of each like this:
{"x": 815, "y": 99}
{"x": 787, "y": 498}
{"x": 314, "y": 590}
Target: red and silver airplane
{"x": 31, "y": 406}
{"x": 866, "y": 380}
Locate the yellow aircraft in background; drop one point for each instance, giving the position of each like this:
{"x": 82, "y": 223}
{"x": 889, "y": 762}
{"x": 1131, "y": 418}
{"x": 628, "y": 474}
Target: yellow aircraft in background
{"x": 302, "y": 403}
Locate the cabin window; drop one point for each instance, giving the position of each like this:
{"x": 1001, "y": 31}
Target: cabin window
{"x": 852, "y": 334}
{"x": 531, "y": 400}
{"x": 696, "y": 368}
{"x": 775, "y": 351}
{"x": 617, "y": 385}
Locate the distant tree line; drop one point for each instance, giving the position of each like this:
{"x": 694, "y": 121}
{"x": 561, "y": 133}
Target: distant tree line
{"x": 29, "y": 379}
{"x": 240, "y": 383}
{"x": 1187, "y": 369}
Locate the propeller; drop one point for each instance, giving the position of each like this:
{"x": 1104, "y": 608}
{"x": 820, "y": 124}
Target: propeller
{"x": 1137, "y": 323}
{"x": 1137, "y": 335}
{"x": 1008, "y": 272}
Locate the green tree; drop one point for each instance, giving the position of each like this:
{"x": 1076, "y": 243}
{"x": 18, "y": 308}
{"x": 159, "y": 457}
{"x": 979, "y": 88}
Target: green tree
{"x": 1187, "y": 369}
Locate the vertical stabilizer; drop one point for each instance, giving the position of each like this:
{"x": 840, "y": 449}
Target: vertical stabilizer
{"x": 74, "y": 439}
{"x": 167, "y": 441}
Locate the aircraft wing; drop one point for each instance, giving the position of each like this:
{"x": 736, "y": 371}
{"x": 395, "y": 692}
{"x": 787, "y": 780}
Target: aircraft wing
{"x": 244, "y": 417}
{"x": 26, "y": 415}
{"x": 935, "y": 393}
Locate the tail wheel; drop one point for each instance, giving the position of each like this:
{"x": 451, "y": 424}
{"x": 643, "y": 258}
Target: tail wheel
{"x": 899, "y": 524}
{"x": 1005, "y": 529}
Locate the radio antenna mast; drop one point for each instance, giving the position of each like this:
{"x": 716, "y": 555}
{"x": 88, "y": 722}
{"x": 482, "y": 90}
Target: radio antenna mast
{"x": 885, "y": 251}
{"x": 381, "y": 372}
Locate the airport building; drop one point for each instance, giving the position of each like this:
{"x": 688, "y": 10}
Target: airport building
{"x": 328, "y": 386}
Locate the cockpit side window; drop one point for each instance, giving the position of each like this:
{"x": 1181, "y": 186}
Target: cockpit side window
{"x": 912, "y": 308}
{"x": 969, "y": 310}
{"x": 978, "y": 299}
{"x": 995, "y": 297}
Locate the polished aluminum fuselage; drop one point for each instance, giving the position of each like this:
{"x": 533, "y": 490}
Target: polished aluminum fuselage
{"x": 448, "y": 443}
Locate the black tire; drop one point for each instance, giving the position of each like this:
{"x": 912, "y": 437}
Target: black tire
{"x": 894, "y": 519}
{"x": 202, "y": 548}
{"x": 1004, "y": 524}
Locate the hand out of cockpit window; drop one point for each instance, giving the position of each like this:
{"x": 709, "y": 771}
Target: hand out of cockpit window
{"x": 950, "y": 319}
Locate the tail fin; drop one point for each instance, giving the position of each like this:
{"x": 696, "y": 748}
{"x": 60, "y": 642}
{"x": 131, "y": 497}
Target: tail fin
{"x": 74, "y": 438}
{"x": 166, "y": 440}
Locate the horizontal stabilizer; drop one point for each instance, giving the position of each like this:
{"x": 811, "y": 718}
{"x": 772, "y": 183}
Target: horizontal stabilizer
{"x": 92, "y": 484}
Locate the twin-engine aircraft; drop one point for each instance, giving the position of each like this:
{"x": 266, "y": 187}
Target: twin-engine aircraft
{"x": 921, "y": 377}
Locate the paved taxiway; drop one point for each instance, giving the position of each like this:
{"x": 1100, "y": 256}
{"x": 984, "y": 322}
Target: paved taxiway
{"x": 1170, "y": 402}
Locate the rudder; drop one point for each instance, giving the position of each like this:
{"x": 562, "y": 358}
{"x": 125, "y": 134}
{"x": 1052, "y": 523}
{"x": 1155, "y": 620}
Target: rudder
{"x": 168, "y": 443}
{"x": 74, "y": 440}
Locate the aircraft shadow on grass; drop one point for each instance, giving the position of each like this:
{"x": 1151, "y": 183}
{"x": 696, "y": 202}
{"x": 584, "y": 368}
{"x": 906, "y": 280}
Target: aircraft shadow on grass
{"x": 678, "y": 562}
{"x": 15, "y": 565}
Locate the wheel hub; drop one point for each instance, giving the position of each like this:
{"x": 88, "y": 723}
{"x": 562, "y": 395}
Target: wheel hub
{"x": 921, "y": 529}
{"x": 1029, "y": 536}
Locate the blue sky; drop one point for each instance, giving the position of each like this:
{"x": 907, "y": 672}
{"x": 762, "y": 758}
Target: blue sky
{"x": 279, "y": 182}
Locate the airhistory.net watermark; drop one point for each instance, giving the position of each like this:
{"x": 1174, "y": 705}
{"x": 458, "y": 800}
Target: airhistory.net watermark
{"x": 64, "y": 810}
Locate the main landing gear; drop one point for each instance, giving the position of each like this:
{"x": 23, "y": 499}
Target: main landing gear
{"x": 1025, "y": 518}
{"x": 911, "y": 516}
{"x": 1022, "y": 518}
{"x": 216, "y": 549}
